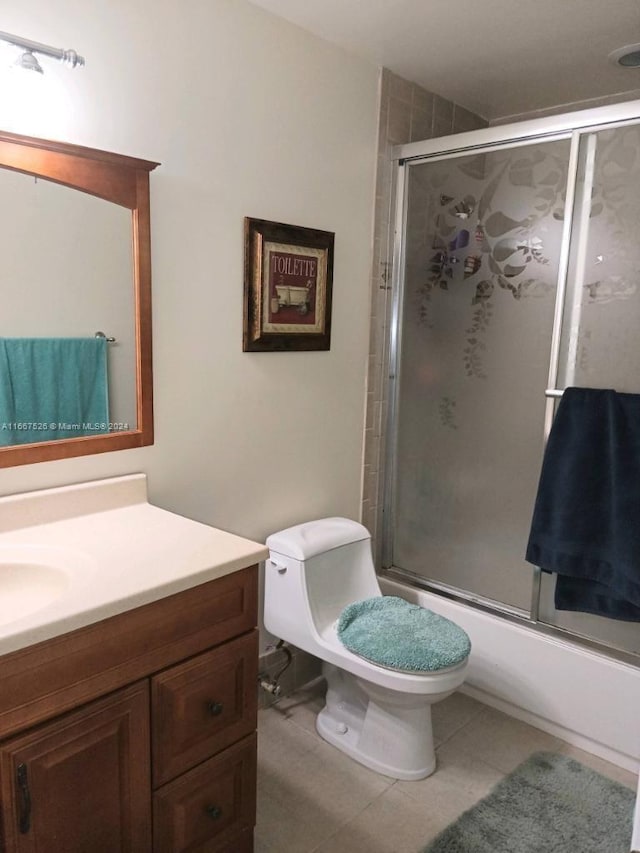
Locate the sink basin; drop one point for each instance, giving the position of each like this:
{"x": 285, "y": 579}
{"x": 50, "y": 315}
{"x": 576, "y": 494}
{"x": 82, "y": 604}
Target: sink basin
{"x": 28, "y": 587}
{"x": 32, "y": 578}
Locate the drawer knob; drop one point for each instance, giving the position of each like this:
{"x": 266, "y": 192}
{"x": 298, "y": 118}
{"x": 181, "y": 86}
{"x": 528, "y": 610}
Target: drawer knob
{"x": 214, "y": 812}
{"x": 215, "y": 708}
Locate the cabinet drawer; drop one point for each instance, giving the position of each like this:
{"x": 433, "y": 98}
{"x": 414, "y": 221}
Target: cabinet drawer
{"x": 202, "y": 706}
{"x": 210, "y": 808}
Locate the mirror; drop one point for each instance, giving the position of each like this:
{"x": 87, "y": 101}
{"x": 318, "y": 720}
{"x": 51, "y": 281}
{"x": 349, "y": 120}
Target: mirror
{"x": 76, "y": 272}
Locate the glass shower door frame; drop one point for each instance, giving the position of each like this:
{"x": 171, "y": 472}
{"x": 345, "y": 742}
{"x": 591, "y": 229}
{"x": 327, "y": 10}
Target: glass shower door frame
{"x": 571, "y": 126}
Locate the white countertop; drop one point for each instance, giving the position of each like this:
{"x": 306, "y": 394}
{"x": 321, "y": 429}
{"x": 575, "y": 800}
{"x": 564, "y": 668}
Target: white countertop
{"x": 118, "y": 552}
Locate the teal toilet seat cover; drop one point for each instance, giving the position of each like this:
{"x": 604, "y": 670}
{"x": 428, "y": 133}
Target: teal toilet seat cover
{"x": 394, "y": 633}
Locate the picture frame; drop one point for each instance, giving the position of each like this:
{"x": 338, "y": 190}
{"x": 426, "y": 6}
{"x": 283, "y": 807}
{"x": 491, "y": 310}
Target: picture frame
{"x": 288, "y": 278}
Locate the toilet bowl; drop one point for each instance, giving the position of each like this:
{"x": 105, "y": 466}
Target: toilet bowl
{"x": 378, "y": 715}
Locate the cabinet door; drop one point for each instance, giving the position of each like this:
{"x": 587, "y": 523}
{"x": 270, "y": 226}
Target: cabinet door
{"x": 80, "y": 784}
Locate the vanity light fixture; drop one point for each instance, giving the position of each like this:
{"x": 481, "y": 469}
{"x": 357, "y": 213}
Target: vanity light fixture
{"x": 28, "y": 59}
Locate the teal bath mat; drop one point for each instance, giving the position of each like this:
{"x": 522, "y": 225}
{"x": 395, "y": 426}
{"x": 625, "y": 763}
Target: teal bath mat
{"x": 549, "y": 804}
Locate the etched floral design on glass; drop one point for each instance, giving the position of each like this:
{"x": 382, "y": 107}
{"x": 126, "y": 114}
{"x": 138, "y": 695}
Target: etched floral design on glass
{"x": 490, "y": 220}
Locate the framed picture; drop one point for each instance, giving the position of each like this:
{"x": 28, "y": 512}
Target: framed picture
{"x": 287, "y": 287}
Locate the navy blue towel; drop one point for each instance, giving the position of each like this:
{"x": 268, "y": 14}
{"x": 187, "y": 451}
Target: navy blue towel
{"x": 586, "y": 521}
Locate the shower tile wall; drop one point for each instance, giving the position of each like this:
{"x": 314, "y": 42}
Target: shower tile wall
{"x": 408, "y": 113}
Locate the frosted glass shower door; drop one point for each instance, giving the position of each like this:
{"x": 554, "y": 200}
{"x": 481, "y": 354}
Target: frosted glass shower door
{"x": 600, "y": 339}
{"x": 482, "y": 243}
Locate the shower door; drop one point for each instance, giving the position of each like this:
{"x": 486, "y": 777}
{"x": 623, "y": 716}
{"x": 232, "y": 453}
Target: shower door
{"x": 520, "y": 272}
{"x": 600, "y": 343}
{"x": 483, "y": 238}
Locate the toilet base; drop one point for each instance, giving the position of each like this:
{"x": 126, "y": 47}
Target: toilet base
{"x": 387, "y": 731}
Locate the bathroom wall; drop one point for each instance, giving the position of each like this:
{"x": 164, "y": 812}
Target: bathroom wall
{"x": 249, "y": 116}
{"x": 407, "y": 113}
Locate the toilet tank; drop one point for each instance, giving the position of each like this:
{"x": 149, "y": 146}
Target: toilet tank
{"x": 330, "y": 563}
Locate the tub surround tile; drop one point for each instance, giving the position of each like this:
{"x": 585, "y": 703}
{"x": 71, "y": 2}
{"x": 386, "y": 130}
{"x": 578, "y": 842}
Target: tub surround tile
{"x": 383, "y": 120}
{"x": 370, "y": 519}
{"x": 464, "y": 120}
{"x": 400, "y": 88}
{"x": 441, "y": 127}
{"x": 382, "y": 203}
{"x": 421, "y": 125}
{"x": 383, "y": 181}
{"x": 399, "y": 122}
{"x": 369, "y": 415}
{"x": 423, "y": 101}
{"x": 370, "y": 453}
{"x": 443, "y": 109}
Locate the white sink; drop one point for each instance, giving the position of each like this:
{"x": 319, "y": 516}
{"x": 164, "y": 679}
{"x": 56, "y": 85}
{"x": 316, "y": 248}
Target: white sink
{"x": 32, "y": 578}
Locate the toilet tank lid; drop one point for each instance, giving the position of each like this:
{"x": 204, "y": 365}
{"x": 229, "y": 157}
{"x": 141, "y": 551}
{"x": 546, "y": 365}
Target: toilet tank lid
{"x": 315, "y": 537}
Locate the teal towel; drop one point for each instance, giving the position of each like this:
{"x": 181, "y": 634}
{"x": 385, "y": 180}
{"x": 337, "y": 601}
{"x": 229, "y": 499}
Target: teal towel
{"x": 52, "y": 388}
{"x": 394, "y": 633}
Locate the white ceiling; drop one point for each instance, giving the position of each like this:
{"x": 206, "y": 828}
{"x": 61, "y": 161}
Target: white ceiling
{"x": 495, "y": 57}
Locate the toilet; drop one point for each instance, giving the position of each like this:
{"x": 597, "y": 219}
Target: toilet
{"x": 377, "y": 714}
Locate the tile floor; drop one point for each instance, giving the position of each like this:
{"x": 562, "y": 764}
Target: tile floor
{"x": 313, "y": 799}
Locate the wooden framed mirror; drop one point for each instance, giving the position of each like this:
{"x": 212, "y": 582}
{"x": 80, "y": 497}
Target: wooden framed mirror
{"x": 77, "y": 264}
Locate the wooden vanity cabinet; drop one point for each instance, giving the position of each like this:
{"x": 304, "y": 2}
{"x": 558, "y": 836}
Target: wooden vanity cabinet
{"x": 136, "y": 734}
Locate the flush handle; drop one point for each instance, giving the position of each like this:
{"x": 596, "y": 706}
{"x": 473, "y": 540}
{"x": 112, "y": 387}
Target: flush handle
{"x": 25, "y": 799}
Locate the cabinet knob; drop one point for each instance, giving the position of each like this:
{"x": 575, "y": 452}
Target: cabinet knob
{"x": 215, "y": 708}
{"x": 214, "y": 812}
